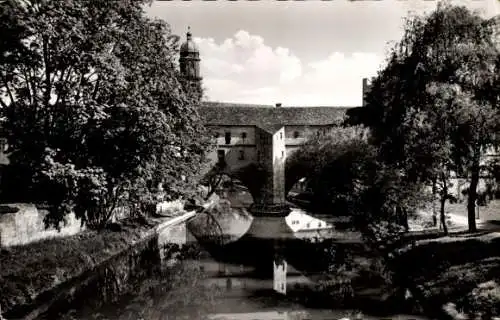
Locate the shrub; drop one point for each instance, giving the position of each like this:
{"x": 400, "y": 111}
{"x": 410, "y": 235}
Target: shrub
{"x": 484, "y": 300}
{"x": 8, "y": 209}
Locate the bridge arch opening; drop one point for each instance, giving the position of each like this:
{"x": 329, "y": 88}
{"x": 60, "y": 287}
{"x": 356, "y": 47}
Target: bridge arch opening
{"x": 229, "y": 216}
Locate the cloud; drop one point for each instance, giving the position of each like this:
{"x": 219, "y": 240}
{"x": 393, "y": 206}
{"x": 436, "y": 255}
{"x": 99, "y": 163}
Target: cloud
{"x": 245, "y": 69}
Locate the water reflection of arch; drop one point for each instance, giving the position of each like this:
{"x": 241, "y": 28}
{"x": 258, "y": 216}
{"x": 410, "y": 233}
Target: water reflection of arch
{"x": 236, "y": 191}
{"x": 238, "y": 244}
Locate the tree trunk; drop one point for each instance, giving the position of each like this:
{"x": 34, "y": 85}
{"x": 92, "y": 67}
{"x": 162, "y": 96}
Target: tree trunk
{"x": 434, "y": 192}
{"x": 444, "y": 195}
{"x": 442, "y": 216}
{"x": 472, "y": 194}
{"x": 405, "y": 220}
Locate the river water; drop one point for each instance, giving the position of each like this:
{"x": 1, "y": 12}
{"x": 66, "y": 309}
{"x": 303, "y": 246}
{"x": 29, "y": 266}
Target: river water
{"x": 203, "y": 288}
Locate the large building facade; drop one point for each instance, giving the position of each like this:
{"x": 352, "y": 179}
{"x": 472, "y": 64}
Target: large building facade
{"x": 237, "y": 128}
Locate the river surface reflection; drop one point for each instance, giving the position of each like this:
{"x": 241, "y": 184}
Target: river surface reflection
{"x": 206, "y": 289}
{"x": 233, "y": 293}
{"x": 246, "y": 297}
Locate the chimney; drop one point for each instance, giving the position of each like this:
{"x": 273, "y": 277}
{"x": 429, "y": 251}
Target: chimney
{"x": 278, "y": 105}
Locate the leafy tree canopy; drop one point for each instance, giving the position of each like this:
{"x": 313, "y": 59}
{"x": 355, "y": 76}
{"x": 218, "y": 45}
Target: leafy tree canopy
{"x": 94, "y": 109}
{"x": 447, "y": 55}
{"x": 435, "y": 106}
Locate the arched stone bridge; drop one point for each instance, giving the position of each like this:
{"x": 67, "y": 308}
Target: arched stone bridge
{"x": 265, "y": 176}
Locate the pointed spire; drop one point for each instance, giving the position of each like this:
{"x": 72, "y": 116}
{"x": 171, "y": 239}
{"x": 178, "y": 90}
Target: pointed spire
{"x": 188, "y": 34}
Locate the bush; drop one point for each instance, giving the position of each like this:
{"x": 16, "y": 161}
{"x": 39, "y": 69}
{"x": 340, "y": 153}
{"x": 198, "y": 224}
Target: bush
{"x": 484, "y": 300}
{"x": 8, "y": 209}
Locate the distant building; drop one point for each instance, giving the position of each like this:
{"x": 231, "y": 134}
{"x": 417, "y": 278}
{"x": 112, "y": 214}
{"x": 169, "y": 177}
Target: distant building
{"x": 237, "y": 128}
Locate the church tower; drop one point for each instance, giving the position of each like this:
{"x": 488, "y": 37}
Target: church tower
{"x": 189, "y": 62}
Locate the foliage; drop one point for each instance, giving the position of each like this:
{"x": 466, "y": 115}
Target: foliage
{"x": 8, "y": 209}
{"x": 465, "y": 262}
{"x": 345, "y": 176}
{"x": 435, "y": 105}
{"x": 216, "y": 177}
{"x": 180, "y": 292}
{"x": 485, "y": 300}
{"x": 318, "y": 150}
{"x": 95, "y": 114}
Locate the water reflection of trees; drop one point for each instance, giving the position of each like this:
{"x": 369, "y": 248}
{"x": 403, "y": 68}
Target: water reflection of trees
{"x": 180, "y": 293}
{"x": 177, "y": 291}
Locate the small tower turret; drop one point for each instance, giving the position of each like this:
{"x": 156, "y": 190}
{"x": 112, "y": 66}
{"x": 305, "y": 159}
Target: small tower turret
{"x": 189, "y": 63}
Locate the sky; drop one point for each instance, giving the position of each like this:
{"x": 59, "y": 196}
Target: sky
{"x": 299, "y": 53}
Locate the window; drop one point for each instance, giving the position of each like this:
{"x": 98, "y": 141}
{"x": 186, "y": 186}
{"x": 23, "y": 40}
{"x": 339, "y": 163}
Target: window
{"x": 228, "y": 137}
{"x": 282, "y": 154}
{"x": 243, "y": 135}
{"x": 296, "y": 134}
{"x": 319, "y": 224}
{"x": 242, "y": 155}
{"x": 308, "y": 225}
{"x": 216, "y": 135}
{"x": 281, "y": 135}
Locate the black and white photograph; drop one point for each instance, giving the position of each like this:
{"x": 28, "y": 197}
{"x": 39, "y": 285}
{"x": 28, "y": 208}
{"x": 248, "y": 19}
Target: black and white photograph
{"x": 250, "y": 160}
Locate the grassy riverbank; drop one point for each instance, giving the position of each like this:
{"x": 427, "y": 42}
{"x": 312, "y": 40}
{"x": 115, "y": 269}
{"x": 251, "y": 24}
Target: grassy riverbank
{"x": 27, "y": 271}
{"x": 461, "y": 269}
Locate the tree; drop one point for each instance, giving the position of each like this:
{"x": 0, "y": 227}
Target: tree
{"x": 213, "y": 179}
{"x": 345, "y": 175}
{"x": 94, "y": 110}
{"x": 318, "y": 150}
{"x": 450, "y": 51}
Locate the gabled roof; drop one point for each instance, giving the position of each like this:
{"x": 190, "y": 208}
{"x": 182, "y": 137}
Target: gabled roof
{"x": 215, "y": 113}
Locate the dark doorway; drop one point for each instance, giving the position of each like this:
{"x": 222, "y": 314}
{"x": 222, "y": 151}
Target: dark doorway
{"x": 221, "y": 156}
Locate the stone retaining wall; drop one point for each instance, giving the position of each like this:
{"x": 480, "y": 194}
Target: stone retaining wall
{"x": 27, "y": 225}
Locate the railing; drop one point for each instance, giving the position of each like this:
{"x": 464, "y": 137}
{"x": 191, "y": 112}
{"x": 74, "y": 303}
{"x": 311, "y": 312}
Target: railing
{"x": 176, "y": 220}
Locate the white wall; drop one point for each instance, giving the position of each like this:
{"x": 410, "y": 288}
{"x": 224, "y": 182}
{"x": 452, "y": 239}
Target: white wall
{"x": 279, "y": 156}
{"x": 27, "y": 225}
{"x": 232, "y": 155}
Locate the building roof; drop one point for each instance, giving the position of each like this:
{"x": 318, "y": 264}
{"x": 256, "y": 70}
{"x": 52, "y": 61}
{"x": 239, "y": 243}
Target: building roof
{"x": 270, "y": 128}
{"x": 215, "y": 113}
